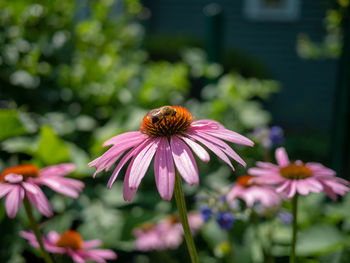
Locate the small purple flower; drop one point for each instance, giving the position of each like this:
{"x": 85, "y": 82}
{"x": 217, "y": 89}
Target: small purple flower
{"x": 206, "y": 212}
{"x": 225, "y": 220}
{"x": 276, "y": 136}
{"x": 285, "y": 217}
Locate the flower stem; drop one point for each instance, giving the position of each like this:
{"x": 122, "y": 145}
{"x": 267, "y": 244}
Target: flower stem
{"x": 181, "y": 206}
{"x": 294, "y": 236}
{"x": 35, "y": 229}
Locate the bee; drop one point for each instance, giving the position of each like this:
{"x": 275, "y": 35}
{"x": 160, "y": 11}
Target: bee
{"x": 159, "y": 114}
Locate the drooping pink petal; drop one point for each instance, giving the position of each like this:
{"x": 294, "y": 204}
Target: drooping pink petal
{"x": 13, "y": 200}
{"x": 282, "y": 157}
{"x": 75, "y": 256}
{"x": 124, "y": 137}
{"x": 184, "y": 161}
{"x": 123, "y": 161}
{"x": 207, "y": 125}
{"x": 5, "y": 188}
{"x": 142, "y": 162}
{"x": 113, "y": 154}
{"x": 164, "y": 170}
{"x": 38, "y": 199}
{"x": 218, "y": 152}
{"x": 57, "y": 170}
{"x": 223, "y": 146}
{"x": 198, "y": 150}
{"x": 128, "y": 192}
{"x": 291, "y": 189}
{"x": 99, "y": 255}
{"x": 230, "y": 136}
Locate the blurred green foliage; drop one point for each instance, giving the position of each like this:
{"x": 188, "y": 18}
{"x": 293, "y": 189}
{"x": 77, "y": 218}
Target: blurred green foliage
{"x": 331, "y": 45}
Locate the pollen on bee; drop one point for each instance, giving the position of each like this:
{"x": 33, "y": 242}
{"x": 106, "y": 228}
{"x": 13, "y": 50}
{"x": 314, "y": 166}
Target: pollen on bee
{"x": 166, "y": 121}
{"x": 26, "y": 170}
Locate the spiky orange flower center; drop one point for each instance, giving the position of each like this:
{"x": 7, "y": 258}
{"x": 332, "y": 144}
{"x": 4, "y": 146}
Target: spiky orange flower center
{"x": 26, "y": 170}
{"x": 166, "y": 121}
{"x": 244, "y": 180}
{"x": 70, "y": 239}
{"x": 296, "y": 171}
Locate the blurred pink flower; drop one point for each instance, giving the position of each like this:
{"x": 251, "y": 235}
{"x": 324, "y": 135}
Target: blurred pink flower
{"x": 253, "y": 193}
{"x": 165, "y": 234}
{"x": 71, "y": 244}
{"x": 21, "y": 180}
{"x": 298, "y": 177}
{"x": 168, "y": 133}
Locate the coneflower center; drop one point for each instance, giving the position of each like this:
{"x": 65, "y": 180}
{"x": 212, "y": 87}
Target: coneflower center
{"x": 296, "y": 171}
{"x": 245, "y": 181}
{"x": 26, "y": 170}
{"x": 70, "y": 239}
{"x": 166, "y": 121}
{"x": 173, "y": 219}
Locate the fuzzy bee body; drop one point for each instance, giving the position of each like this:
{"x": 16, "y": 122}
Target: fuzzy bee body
{"x": 159, "y": 114}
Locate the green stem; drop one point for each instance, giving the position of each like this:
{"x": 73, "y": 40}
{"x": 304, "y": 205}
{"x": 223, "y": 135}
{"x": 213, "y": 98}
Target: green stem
{"x": 231, "y": 255}
{"x": 35, "y": 229}
{"x": 294, "y": 236}
{"x": 181, "y": 206}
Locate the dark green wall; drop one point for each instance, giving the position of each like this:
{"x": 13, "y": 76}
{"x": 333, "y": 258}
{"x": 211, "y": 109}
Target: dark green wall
{"x": 308, "y": 86}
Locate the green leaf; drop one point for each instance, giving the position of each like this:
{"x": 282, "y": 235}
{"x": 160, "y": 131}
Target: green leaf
{"x": 51, "y": 148}
{"x": 319, "y": 239}
{"x": 10, "y": 124}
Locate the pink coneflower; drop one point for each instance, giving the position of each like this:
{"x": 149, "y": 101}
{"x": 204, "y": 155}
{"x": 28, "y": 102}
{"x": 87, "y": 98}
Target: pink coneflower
{"x": 253, "y": 193}
{"x": 24, "y": 180}
{"x": 298, "y": 177}
{"x": 169, "y": 133}
{"x": 72, "y": 244}
{"x": 165, "y": 234}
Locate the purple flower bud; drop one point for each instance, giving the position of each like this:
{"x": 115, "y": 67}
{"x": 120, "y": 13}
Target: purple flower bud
{"x": 206, "y": 212}
{"x": 225, "y": 220}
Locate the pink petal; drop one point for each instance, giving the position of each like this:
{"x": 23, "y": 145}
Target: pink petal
{"x": 13, "y": 178}
{"x": 142, "y": 162}
{"x": 184, "y": 161}
{"x": 224, "y": 147}
{"x": 92, "y": 243}
{"x": 302, "y": 188}
{"x": 128, "y": 192}
{"x": 266, "y": 165}
{"x": 218, "y": 152}
{"x": 283, "y": 186}
{"x": 291, "y": 189}
{"x": 65, "y": 186}
{"x": 164, "y": 170}
{"x": 76, "y": 257}
{"x": 99, "y": 255}
{"x": 124, "y": 137}
{"x": 282, "y": 157}
{"x": 5, "y": 188}
{"x": 198, "y": 150}
{"x": 13, "y": 200}
{"x": 113, "y": 154}
{"x": 38, "y": 199}
{"x": 58, "y": 170}
{"x": 230, "y": 136}
{"x": 53, "y": 237}
{"x": 260, "y": 172}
